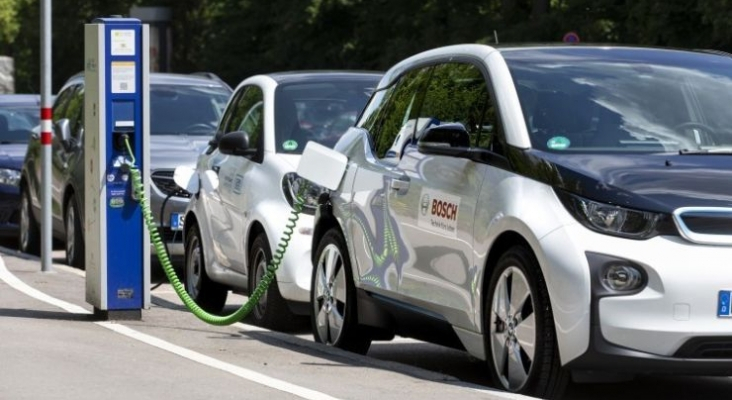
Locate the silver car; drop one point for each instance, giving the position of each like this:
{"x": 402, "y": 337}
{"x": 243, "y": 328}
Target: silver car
{"x": 184, "y": 111}
{"x": 566, "y": 215}
{"x": 238, "y": 217}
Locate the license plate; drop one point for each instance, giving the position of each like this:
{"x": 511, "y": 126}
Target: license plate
{"x": 176, "y": 222}
{"x": 723, "y": 306}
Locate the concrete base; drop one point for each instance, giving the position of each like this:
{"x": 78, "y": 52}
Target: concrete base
{"x": 117, "y": 315}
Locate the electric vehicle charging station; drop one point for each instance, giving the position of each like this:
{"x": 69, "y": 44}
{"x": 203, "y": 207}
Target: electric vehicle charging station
{"x": 116, "y": 126}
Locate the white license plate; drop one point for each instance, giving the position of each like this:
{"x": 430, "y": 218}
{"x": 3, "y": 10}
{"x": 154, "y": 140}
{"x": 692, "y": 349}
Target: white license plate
{"x": 723, "y": 304}
{"x": 176, "y": 222}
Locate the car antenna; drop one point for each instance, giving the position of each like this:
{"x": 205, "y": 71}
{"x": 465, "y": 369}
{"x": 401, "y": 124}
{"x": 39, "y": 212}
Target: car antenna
{"x": 495, "y": 35}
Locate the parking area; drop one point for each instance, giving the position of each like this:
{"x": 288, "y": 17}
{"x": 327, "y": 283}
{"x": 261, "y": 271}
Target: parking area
{"x": 52, "y": 348}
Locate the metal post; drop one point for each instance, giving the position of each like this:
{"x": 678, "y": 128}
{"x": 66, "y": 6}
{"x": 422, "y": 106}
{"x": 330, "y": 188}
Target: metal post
{"x": 46, "y": 137}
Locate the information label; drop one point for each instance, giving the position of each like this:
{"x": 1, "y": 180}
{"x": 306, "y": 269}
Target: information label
{"x": 123, "y": 77}
{"x": 123, "y": 42}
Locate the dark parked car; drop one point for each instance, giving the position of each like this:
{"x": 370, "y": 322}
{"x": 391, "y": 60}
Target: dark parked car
{"x": 184, "y": 112}
{"x": 19, "y": 119}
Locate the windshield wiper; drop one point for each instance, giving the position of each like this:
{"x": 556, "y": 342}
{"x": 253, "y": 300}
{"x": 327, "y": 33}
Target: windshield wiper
{"x": 712, "y": 151}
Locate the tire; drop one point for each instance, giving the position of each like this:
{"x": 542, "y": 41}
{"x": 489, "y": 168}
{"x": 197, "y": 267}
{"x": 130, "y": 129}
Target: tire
{"x": 271, "y": 311}
{"x": 521, "y": 344}
{"x": 209, "y": 295}
{"x": 29, "y": 238}
{"x": 333, "y": 297}
{"x": 74, "y": 238}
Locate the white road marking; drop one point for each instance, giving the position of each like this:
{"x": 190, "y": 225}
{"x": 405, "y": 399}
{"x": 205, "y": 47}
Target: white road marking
{"x": 244, "y": 373}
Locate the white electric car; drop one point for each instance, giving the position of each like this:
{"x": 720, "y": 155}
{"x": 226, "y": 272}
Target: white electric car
{"x": 234, "y": 223}
{"x": 568, "y": 215}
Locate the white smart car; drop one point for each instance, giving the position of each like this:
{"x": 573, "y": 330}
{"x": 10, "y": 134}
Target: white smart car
{"x": 237, "y": 217}
{"x": 569, "y": 214}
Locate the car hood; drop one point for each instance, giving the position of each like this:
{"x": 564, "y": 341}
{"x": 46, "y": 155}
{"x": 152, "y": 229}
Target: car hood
{"x": 654, "y": 182}
{"x": 12, "y": 154}
{"x": 171, "y": 151}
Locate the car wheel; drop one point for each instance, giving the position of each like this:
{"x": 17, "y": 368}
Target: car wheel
{"x": 29, "y": 240}
{"x": 522, "y": 349}
{"x": 74, "y": 238}
{"x": 271, "y": 311}
{"x": 209, "y": 295}
{"x": 333, "y": 297}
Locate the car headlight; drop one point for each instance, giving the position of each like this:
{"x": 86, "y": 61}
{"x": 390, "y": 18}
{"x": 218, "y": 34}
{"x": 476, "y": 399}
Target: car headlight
{"x": 9, "y": 177}
{"x": 610, "y": 219}
{"x": 291, "y": 186}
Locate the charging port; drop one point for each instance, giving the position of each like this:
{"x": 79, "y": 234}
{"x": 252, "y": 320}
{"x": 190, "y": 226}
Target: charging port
{"x": 119, "y": 139}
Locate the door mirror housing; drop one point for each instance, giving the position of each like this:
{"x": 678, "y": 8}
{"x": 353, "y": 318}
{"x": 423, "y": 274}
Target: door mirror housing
{"x": 236, "y": 143}
{"x": 450, "y": 139}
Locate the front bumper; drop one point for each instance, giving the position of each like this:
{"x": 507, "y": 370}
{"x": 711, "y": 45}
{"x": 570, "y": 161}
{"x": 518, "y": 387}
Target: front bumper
{"x": 296, "y": 269}
{"x": 671, "y": 325}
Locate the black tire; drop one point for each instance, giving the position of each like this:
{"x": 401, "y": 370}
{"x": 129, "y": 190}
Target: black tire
{"x": 271, "y": 311}
{"x": 209, "y": 295}
{"x": 74, "y": 239}
{"x": 333, "y": 299}
{"x": 29, "y": 237}
{"x": 510, "y": 331}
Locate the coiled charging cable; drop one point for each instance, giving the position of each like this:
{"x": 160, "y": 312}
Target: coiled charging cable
{"x": 269, "y": 275}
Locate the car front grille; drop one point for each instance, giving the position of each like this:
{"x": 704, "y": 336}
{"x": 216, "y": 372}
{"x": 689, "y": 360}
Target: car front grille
{"x": 163, "y": 180}
{"x": 705, "y": 225}
{"x": 170, "y": 236}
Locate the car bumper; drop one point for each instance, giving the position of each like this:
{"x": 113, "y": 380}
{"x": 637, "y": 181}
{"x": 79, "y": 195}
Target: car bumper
{"x": 295, "y": 271}
{"x": 671, "y": 324}
{"x": 173, "y": 238}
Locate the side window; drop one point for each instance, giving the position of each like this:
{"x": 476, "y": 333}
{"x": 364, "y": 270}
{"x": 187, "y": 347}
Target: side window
{"x": 393, "y": 124}
{"x": 75, "y": 111}
{"x": 458, "y": 93}
{"x": 246, "y": 113}
{"x": 61, "y": 103}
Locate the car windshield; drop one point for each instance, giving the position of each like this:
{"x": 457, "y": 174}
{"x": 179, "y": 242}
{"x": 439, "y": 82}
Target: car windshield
{"x": 17, "y": 123}
{"x": 620, "y": 100}
{"x": 321, "y": 112}
{"x": 191, "y": 110}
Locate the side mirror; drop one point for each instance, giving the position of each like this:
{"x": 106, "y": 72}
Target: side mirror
{"x": 237, "y": 144}
{"x": 450, "y": 139}
{"x": 63, "y": 128}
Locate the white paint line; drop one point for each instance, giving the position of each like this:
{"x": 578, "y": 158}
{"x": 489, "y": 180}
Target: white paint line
{"x": 244, "y": 373}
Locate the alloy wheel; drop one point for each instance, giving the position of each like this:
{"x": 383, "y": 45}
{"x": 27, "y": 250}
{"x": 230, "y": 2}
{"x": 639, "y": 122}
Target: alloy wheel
{"x": 330, "y": 294}
{"x": 513, "y": 328}
{"x": 194, "y": 265}
{"x": 260, "y": 267}
{"x": 70, "y": 232}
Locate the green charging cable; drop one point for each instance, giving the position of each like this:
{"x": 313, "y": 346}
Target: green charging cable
{"x": 156, "y": 240}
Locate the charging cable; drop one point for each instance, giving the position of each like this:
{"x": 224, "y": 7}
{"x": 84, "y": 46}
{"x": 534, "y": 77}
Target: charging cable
{"x": 269, "y": 275}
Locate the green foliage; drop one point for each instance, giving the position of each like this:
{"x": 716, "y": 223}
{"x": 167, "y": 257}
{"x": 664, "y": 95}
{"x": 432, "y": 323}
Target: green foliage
{"x": 239, "y": 38}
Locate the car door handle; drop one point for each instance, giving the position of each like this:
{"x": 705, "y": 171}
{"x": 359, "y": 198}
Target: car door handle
{"x": 399, "y": 184}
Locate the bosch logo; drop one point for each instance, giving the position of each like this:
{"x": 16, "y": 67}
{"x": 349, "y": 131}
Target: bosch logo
{"x": 425, "y": 206}
{"x": 444, "y": 209}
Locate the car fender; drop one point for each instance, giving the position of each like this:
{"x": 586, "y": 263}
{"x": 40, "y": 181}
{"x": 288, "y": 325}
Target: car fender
{"x": 539, "y": 219}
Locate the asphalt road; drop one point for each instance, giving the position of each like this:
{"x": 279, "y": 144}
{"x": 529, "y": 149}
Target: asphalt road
{"x": 45, "y": 348}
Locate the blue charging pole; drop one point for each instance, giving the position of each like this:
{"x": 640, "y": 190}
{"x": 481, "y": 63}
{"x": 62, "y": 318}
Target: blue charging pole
{"x": 116, "y": 113}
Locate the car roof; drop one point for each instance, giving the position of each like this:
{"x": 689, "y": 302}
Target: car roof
{"x": 20, "y": 99}
{"x": 168, "y": 78}
{"x": 322, "y": 75}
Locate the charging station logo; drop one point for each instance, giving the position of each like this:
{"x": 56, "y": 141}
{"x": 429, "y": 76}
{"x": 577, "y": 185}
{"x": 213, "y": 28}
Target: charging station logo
{"x": 439, "y": 212}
